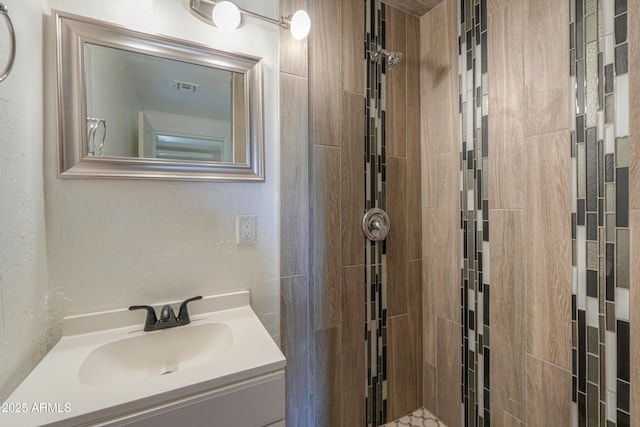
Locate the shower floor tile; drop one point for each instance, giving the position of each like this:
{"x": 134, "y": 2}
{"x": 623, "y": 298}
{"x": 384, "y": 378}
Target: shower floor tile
{"x": 419, "y": 418}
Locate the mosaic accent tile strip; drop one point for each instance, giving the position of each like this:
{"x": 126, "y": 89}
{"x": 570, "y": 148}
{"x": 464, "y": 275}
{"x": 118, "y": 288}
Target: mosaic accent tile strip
{"x": 600, "y": 212}
{"x": 375, "y": 183}
{"x": 474, "y": 204}
{"x": 419, "y": 418}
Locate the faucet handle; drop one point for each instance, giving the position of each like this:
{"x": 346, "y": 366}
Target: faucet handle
{"x": 151, "y": 321}
{"x": 183, "y": 315}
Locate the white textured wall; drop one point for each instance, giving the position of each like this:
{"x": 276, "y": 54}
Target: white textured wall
{"x": 24, "y": 317}
{"x": 113, "y": 243}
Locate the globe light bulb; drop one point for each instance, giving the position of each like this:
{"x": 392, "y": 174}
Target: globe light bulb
{"x": 226, "y": 16}
{"x": 300, "y": 25}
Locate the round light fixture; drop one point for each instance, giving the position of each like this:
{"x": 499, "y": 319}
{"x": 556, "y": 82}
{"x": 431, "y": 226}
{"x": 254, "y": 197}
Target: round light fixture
{"x": 226, "y": 16}
{"x": 300, "y": 25}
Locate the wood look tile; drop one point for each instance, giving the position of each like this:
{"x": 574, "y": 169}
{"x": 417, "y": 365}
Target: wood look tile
{"x": 352, "y": 179}
{"x": 294, "y": 178}
{"x": 293, "y": 53}
{"x": 413, "y": 181}
{"x": 397, "y": 367}
{"x": 326, "y": 247}
{"x": 352, "y": 33}
{"x": 429, "y": 293}
{"x": 412, "y": 59}
{"x": 328, "y": 378}
{"x": 354, "y": 370}
{"x": 495, "y": 5}
{"x": 634, "y": 106}
{"x": 548, "y": 254}
{"x": 500, "y": 418}
{"x": 429, "y": 177}
{"x": 444, "y": 256}
{"x": 294, "y": 329}
{"x": 507, "y": 314}
{"x": 506, "y": 107}
{"x": 414, "y": 349}
{"x": 548, "y": 394}
{"x": 634, "y": 301}
{"x": 414, "y": 7}
{"x": 454, "y": 80}
{"x": 546, "y": 63}
{"x": 396, "y": 84}
{"x": 397, "y": 238}
{"x": 436, "y": 73}
{"x": 448, "y": 372}
{"x": 324, "y": 66}
{"x": 429, "y": 387}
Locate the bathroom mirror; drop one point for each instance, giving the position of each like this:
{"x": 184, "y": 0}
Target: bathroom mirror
{"x": 134, "y": 105}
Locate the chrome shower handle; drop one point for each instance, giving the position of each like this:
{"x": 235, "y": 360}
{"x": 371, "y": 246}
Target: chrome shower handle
{"x": 376, "y": 224}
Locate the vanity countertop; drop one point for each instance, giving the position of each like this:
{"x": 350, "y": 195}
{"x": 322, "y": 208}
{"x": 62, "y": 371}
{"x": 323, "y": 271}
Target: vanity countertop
{"x": 63, "y": 389}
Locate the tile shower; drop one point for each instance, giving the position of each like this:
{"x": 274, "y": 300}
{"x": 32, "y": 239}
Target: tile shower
{"x": 521, "y": 118}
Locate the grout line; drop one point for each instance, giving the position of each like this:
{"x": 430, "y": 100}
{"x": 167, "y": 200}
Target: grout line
{"x": 546, "y": 362}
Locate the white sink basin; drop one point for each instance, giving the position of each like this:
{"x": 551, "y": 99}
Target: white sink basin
{"x": 150, "y": 354}
{"x": 105, "y": 366}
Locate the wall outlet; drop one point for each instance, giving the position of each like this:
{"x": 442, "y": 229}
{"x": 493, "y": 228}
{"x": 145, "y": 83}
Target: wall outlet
{"x": 246, "y": 229}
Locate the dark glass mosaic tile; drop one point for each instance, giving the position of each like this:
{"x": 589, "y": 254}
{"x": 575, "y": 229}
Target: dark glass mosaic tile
{"x": 622, "y": 395}
{"x": 608, "y": 78}
{"x": 487, "y": 369}
{"x": 609, "y": 168}
{"x": 622, "y": 339}
{"x": 622, "y": 59}
{"x": 592, "y": 283}
{"x": 610, "y": 294}
{"x": 582, "y": 351}
{"x": 486, "y": 305}
{"x": 574, "y": 219}
{"x": 485, "y": 231}
{"x": 483, "y": 50}
{"x": 580, "y": 88}
{"x": 579, "y": 30}
{"x": 483, "y": 15}
{"x": 592, "y": 405}
{"x": 622, "y": 197}
{"x": 621, "y": 6}
{"x": 572, "y": 36}
{"x": 592, "y": 226}
{"x": 621, "y": 28}
{"x": 574, "y": 389}
{"x": 592, "y": 170}
{"x": 622, "y": 419}
{"x": 579, "y": 129}
{"x": 582, "y": 409}
{"x": 600, "y": 169}
{"x": 485, "y": 136}
{"x": 581, "y": 212}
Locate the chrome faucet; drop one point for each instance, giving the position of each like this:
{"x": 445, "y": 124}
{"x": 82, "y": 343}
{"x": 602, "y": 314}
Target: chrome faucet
{"x": 168, "y": 318}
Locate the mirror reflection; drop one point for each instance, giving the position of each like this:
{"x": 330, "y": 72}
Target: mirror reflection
{"x": 143, "y": 106}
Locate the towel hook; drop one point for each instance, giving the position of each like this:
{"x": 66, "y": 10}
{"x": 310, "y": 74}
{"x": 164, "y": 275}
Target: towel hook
{"x": 12, "y": 35}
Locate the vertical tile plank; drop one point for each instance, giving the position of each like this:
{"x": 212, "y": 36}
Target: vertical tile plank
{"x": 444, "y": 259}
{"x": 414, "y": 350}
{"x": 328, "y": 373}
{"x": 548, "y": 394}
{"x": 507, "y": 315}
{"x": 353, "y": 346}
{"x": 294, "y": 327}
{"x": 396, "y": 84}
{"x": 448, "y": 373}
{"x": 634, "y": 105}
{"x": 506, "y": 107}
{"x": 293, "y": 179}
{"x": 429, "y": 386}
{"x": 326, "y": 247}
{"x": 352, "y": 30}
{"x": 429, "y": 294}
{"x": 397, "y": 345}
{"x": 546, "y": 56}
{"x": 352, "y": 178}
{"x": 397, "y": 238}
{"x": 293, "y": 53}
{"x": 500, "y": 418}
{"x": 549, "y": 251}
{"x": 412, "y": 59}
{"x": 324, "y": 69}
{"x": 413, "y": 181}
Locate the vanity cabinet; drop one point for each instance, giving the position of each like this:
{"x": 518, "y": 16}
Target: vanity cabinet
{"x": 257, "y": 402}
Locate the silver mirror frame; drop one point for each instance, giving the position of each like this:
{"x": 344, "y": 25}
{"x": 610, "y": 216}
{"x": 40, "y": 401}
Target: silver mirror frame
{"x": 73, "y": 32}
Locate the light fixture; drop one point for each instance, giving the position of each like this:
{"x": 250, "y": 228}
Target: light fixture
{"x": 299, "y": 25}
{"x": 227, "y": 16}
